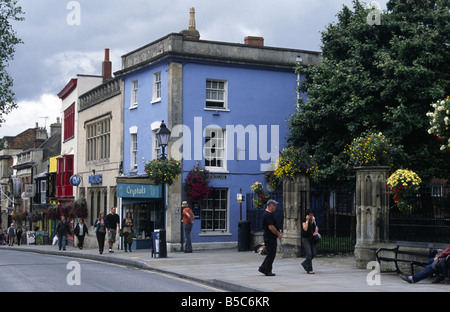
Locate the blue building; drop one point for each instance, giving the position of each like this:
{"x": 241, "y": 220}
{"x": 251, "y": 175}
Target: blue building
{"x": 227, "y": 106}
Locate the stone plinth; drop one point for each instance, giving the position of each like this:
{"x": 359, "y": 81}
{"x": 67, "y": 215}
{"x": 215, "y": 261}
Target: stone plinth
{"x": 372, "y": 212}
{"x": 295, "y": 201}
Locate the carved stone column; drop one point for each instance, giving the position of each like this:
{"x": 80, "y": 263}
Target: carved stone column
{"x": 372, "y": 212}
{"x": 295, "y": 203}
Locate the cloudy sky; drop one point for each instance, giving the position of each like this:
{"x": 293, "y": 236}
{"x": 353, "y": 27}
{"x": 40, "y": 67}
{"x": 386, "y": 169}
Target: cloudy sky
{"x": 63, "y": 38}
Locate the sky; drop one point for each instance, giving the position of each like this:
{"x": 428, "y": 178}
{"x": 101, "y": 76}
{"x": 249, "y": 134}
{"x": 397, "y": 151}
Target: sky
{"x": 63, "y": 38}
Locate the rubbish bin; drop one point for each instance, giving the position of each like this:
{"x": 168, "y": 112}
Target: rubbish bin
{"x": 162, "y": 243}
{"x": 244, "y": 235}
{"x": 159, "y": 243}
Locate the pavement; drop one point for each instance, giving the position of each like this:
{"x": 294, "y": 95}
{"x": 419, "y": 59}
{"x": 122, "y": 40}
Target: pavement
{"x": 237, "y": 271}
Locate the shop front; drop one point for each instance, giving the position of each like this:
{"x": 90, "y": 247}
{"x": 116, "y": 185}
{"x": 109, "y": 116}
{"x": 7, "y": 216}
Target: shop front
{"x": 144, "y": 201}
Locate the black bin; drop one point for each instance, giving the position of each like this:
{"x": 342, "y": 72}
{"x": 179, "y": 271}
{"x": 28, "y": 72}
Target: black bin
{"x": 244, "y": 235}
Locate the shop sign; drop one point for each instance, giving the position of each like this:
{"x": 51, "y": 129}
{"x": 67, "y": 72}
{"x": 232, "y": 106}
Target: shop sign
{"x": 139, "y": 190}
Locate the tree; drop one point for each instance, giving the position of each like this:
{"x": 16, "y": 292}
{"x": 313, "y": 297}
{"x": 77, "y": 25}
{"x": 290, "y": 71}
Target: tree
{"x": 379, "y": 78}
{"x": 9, "y": 11}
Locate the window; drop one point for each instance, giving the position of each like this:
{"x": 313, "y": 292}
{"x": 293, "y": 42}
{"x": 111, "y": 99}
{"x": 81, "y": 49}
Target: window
{"x": 215, "y": 211}
{"x": 214, "y": 149}
{"x": 98, "y": 140}
{"x": 43, "y": 190}
{"x": 134, "y": 94}
{"x": 156, "y": 150}
{"x": 156, "y": 87}
{"x": 216, "y": 94}
{"x": 69, "y": 122}
{"x": 64, "y": 172}
{"x": 133, "y": 147}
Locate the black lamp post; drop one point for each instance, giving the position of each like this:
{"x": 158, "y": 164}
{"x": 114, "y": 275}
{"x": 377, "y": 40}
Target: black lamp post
{"x": 163, "y": 135}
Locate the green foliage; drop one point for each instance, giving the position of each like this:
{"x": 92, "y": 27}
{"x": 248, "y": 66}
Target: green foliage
{"x": 9, "y": 11}
{"x": 377, "y": 78}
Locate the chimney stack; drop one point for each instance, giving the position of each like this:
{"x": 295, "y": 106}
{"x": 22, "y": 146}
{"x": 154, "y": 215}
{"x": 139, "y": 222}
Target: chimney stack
{"x": 252, "y": 40}
{"x": 191, "y": 32}
{"x": 107, "y": 66}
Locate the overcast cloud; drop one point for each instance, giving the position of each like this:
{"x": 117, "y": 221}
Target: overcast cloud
{"x": 55, "y": 51}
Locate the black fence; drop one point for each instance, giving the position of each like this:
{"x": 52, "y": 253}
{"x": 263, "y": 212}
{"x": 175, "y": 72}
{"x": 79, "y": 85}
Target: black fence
{"x": 334, "y": 209}
{"x": 427, "y": 221}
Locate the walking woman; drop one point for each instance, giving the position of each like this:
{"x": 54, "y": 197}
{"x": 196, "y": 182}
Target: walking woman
{"x": 100, "y": 227}
{"x": 309, "y": 227}
{"x": 127, "y": 230}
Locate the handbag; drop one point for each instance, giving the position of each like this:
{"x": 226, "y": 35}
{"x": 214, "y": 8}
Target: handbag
{"x": 317, "y": 237}
{"x": 95, "y": 229}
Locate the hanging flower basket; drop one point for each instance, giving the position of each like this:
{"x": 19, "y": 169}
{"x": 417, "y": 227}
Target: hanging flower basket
{"x": 273, "y": 182}
{"x": 294, "y": 161}
{"x": 78, "y": 209}
{"x": 19, "y": 214}
{"x": 34, "y": 217}
{"x": 196, "y": 185}
{"x": 52, "y": 212}
{"x": 440, "y": 122}
{"x": 163, "y": 171}
{"x": 372, "y": 149}
{"x": 403, "y": 185}
{"x": 261, "y": 196}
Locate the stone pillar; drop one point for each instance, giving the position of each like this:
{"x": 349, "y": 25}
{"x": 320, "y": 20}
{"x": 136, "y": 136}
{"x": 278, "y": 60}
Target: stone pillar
{"x": 174, "y": 191}
{"x": 295, "y": 203}
{"x": 372, "y": 212}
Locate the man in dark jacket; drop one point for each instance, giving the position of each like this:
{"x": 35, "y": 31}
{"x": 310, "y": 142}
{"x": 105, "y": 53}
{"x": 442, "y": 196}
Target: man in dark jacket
{"x": 62, "y": 230}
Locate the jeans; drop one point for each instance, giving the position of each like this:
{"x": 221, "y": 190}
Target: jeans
{"x": 187, "y": 237}
{"x": 428, "y": 271}
{"x": 62, "y": 241}
{"x": 271, "y": 249}
{"x": 310, "y": 250}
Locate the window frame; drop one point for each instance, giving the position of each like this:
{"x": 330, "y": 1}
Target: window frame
{"x": 216, "y": 219}
{"x": 156, "y": 90}
{"x": 209, "y": 90}
{"x": 219, "y": 162}
{"x": 134, "y": 94}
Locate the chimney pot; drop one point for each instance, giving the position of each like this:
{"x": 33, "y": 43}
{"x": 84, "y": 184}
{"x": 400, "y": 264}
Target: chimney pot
{"x": 253, "y": 40}
{"x": 107, "y": 66}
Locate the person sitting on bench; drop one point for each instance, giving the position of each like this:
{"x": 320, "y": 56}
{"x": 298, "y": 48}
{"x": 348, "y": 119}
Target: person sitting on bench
{"x": 429, "y": 270}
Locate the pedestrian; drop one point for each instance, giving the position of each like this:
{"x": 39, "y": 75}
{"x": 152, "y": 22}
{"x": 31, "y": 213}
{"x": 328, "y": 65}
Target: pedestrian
{"x": 435, "y": 265}
{"x": 114, "y": 222}
{"x": 100, "y": 227}
{"x": 309, "y": 227}
{"x": 62, "y": 230}
{"x": 270, "y": 235}
{"x": 2, "y": 236}
{"x": 188, "y": 221}
{"x": 11, "y": 234}
{"x": 19, "y": 235}
{"x": 81, "y": 231}
{"x": 127, "y": 231}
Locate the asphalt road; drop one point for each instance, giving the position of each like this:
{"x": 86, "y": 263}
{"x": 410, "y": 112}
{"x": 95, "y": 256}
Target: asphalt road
{"x": 29, "y": 272}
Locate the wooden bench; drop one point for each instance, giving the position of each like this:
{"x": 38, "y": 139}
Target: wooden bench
{"x": 419, "y": 253}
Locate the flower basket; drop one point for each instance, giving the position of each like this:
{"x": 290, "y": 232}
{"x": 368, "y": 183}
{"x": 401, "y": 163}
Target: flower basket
{"x": 403, "y": 184}
{"x": 261, "y": 196}
{"x": 294, "y": 161}
{"x": 273, "y": 182}
{"x": 34, "y": 217}
{"x": 52, "y": 212}
{"x": 196, "y": 184}
{"x": 439, "y": 122}
{"x": 163, "y": 171}
{"x": 372, "y": 149}
{"x": 19, "y": 214}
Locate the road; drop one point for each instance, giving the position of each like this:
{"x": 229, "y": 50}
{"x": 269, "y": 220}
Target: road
{"x": 29, "y": 272}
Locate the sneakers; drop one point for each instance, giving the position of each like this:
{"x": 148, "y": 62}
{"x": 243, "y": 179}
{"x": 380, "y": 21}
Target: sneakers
{"x": 110, "y": 250}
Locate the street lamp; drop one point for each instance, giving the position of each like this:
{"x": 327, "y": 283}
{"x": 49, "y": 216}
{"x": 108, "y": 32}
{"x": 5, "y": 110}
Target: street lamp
{"x": 163, "y": 135}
